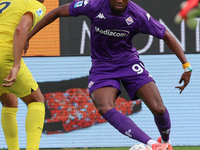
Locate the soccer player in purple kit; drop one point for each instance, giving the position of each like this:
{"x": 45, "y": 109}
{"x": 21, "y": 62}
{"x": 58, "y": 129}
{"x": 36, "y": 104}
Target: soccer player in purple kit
{"x": 114, "y": 23}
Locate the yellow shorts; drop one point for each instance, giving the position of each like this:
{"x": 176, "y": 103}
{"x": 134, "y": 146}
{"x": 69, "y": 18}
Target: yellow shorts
{"x": 25, "y": 82}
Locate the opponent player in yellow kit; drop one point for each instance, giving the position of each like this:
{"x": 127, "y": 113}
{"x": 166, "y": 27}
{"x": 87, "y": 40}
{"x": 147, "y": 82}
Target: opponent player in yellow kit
{"x": 18, "y": 17}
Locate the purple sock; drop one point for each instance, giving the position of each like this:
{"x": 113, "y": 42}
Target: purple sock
{"x": 164, "y": 125}
{"x": 125, "y": 125}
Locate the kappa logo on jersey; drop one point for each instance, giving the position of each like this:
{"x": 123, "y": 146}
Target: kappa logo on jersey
{"x": 86, "y": 2}
{"x": 39, "y": 12}
{"x": 129, "y": 20}
{"x": 101, "y": 16}
{"x": 78, "y": 4}
{"x": 148, "y": 16}
{"x": 90, "y": 84}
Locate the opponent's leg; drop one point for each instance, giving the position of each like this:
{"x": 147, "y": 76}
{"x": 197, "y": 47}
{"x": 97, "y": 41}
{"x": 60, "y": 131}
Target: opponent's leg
{"x": 34, "y": 119}
{"x": 9, "y": 121}
{"x": 104, "y": 99}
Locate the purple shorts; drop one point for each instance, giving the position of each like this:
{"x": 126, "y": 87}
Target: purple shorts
{"x": 132, "y": 76}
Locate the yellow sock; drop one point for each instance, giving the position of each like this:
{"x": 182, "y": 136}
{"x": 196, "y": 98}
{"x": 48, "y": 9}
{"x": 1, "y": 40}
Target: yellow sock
{"x": 34, "y": 124}
{"x": 10, "y": 127}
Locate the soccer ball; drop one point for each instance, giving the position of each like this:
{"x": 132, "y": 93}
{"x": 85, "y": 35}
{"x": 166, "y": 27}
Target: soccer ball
{"x": 140, "y": 146}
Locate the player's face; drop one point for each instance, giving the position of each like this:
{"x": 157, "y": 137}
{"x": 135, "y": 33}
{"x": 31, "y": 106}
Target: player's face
{"x": 118, "y": 6}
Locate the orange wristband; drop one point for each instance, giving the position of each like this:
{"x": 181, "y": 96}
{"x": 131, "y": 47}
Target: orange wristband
{"x": 187, "y": 67}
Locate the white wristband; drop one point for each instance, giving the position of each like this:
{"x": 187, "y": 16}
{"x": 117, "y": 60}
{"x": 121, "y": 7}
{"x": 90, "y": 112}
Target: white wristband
{"x": 188, "y": 69}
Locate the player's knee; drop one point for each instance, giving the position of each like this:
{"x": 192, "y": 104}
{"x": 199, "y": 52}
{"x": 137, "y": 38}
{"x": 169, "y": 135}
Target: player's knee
{"x": 28, "y": 101}
{"x": 103, "y": 110}
{"x": 13, "y": 105}
{"x": 158, "y": 111}
{"x": 33, "y": 97}
{"x": 9, "y": 100}
{"x": 38, "y": 98}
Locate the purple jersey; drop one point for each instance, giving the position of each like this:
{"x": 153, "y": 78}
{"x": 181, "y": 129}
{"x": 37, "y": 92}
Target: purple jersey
{"x": 111, "y": 35}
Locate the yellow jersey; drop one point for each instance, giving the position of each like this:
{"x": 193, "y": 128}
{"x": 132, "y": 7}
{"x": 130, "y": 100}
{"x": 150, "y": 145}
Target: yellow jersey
{"x": 11, "y": 12}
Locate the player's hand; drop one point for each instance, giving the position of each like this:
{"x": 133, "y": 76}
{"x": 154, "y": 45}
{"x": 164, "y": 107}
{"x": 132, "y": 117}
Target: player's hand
{"x": 186, "y": 78}
{"x": 26, "y": 47}
{"x": 11, "y": 78}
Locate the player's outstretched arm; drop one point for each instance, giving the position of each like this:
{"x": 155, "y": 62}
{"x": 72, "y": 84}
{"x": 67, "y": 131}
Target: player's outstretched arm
{"x": 174, "y": 46}
{"x": 178, "y": 51}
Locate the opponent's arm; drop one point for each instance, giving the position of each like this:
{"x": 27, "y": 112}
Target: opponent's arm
{"x": 19, "y": 41}
{"x": 178, "y": 51}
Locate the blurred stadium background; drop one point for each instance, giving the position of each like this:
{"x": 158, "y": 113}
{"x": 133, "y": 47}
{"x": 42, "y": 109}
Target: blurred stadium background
{"x": 59, "y": 59}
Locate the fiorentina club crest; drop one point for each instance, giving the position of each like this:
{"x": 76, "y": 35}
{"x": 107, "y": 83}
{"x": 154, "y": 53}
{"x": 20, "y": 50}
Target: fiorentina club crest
{"x": 129, "y": 20}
